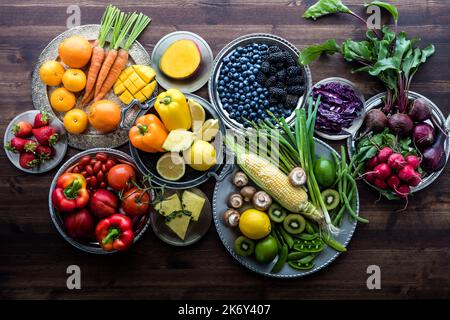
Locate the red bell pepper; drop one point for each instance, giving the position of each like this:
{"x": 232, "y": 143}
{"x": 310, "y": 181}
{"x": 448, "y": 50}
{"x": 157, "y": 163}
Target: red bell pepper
{"x": 115, "y": 232}
{"x": 70, "y": 192}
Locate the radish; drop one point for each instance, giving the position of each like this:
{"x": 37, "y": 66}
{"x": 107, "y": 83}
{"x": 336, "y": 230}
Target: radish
{"x": 382, "y": 171}
{"x": 413, "y": 161}
{"x": 393, "y": 181}
{"x": 406, "y": 173}
{"x": 396, "y": 161}
{"x": 403, "y": 191}
{"x": 370, "y": 177}
{"x": 380, "y": 184}
{"x": 415, "y": 180}
{"x": 371, "y": 163}
{"x": 384, "y": 154}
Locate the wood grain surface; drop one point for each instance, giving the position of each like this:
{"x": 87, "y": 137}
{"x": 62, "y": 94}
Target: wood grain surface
{"x": 412, "y": 248}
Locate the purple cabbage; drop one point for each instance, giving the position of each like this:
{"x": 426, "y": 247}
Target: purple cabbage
{"x": 339, "y": 107}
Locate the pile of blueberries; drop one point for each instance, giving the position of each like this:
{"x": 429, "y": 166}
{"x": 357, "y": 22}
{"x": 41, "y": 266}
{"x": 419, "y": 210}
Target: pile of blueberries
{"x": 257, "y": 77}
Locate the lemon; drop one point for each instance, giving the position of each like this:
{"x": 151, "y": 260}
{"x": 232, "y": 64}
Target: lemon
{"x": 254, "y": 224}
{"x": 171, "y": 166}
{"x": 201, "y": 156}
{"x": 197, "y": 115}
{"x": 208, "y": 130}
{"x": 178, "y": 140}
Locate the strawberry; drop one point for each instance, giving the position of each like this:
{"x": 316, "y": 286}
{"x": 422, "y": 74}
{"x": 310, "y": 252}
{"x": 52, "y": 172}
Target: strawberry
{"x": 46, "y": 135}
{"x": 22, "y": 129}
{"x": 21, "y": 145}
{"x": 41, "y": 119}
{"x": 28, "y": 160}
{"x": 45, "y": 153}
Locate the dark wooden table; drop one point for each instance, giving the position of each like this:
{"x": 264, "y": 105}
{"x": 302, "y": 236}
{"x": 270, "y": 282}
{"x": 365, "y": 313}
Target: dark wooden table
{"x": 412, "y": 248}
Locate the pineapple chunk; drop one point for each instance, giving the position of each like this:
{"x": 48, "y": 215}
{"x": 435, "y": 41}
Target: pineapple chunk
{"x": 193, "y": 203}
{"x": 126, "y": 97}
{"x": 169, "y": 205}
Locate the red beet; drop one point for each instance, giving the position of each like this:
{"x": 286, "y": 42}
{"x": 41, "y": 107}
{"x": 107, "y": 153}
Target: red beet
{"x": 423, "y": 135}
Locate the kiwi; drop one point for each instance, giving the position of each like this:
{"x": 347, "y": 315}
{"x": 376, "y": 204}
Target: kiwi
{"x": 294, "y": 223}
{"x": 277, "y": 213}
{"x": 331, "y": 198}
{"x": 244, "y": 246}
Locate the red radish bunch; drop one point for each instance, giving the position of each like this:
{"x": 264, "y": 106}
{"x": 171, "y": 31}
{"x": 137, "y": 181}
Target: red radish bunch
{"x": 33, "y": 151}
{"x": 389, "y": 169}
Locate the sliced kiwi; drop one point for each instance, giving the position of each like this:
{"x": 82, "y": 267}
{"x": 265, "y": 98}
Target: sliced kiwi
{"x": 244, "y": 246}
{"x": 277, "y": 213}
{"x": 294, "y": 223}
{"x": 331, "y": 198}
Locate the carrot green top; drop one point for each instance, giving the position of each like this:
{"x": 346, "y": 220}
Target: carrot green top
{"x": 106, "y": 23}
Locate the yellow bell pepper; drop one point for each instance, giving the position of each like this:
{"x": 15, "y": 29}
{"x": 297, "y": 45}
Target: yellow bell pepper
{"x": 173, "y": 109}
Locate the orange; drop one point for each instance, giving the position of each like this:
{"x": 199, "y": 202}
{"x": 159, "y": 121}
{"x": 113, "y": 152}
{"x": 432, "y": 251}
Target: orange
{"x": 62, "y": 100}
{"x": 75, "y": 121}
{"x": 104, "y": 115}
{"x": 51, "y": 73}
{"x": 74, "y": 80}
{"x": 75, "y": 51}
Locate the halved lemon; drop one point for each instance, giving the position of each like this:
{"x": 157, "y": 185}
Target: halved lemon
{"x": 208, "y": 130}
{"x": 197, "y": 115}
{"x": 171, "y": 166}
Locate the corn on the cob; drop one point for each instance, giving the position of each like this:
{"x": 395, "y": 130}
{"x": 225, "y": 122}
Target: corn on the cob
{"x": 273, "y": 181}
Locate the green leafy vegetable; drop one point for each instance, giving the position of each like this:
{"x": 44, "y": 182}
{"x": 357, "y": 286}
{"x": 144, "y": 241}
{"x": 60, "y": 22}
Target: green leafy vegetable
{"x": 324, "y": 7}
{"x": 313, "y": 52}
{"x": 387, "y": 6}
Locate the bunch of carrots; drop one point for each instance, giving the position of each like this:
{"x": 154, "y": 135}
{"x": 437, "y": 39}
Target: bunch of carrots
{"x": 106, "y": 65}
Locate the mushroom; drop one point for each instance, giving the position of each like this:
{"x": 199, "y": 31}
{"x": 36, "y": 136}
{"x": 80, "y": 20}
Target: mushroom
{"x": 247, "y": 192}
{"x": 240, "y": 179}
{"x": 231, "y": 217}
{"x": 235, "y": 200}
{"x": 297, "y": 177}
{"x": 261, "y": 201}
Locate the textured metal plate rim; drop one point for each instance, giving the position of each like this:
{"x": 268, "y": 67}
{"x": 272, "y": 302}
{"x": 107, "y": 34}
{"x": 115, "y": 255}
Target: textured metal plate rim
{"x": 41, "y": 100}
{"x": 437, "y": 114}
{"x": 296, "y": 273}
{"x": 54, "y": 213}
{"x": 264, "y": 37}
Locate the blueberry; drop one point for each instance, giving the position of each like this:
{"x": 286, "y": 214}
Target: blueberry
{"x": 244, "y": 113}
{"x": 227, "y": 95}
{"x": 240, "y": 78}
{"x": 230, "y": 74}
{"x": 260, "y": 112}
{"x": 232, "y": 58}
{"x": 246, "y": 89}
{"x": 232, "y": 115}
{"x": 242, "y": 98}
{"x": 240, "y": 107}
{"x": 241, "y": 85}
{"x": 241, "y": 91}
{"x": 251, "y": 78}
{"x": 254, "y": 94}
{"x": 259, "y": 90}
{"x": 237, "y": 113}
{"x": 248, "y": 95}
{"x": 245, "y": 82}
{"x": 230, "y": 100}
{"x": 230, "y": 86}
{"x": 265, "y": 103}
{"x": 226, "y": 60}
{"x": 221, "y": 82}
{"x": 233, "y": 70}
{"x": 225, "y": 69}
{"x": 235, "y": 75}
{"x": 272, "y": 109}
{"x": 259, "y": 61}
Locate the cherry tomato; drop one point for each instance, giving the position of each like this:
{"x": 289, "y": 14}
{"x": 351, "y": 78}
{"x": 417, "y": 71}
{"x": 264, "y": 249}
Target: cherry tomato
{"x": 100, "y": 176}
{"x": 97, "y": 167}
{"x": 136, "y": 202}
{"x": 84, "y": 161}
{"x": 76, "y": 169}
{"x": 109, "y": 164}
{"x": 89, "y": 170}
{"x": 120, "y": 175}
{"x": 101, "y": 157}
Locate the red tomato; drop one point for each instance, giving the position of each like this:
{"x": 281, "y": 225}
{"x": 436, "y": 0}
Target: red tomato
{"x": 136, "y": 202}
{"x": 120, "y": 175}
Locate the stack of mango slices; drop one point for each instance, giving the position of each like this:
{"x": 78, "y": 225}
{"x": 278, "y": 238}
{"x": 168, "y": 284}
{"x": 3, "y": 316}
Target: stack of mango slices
{"x": 135, "y": 82}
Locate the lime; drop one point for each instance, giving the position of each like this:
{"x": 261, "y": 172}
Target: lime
{"x": 201, "y": 156}
{"x": 197, "y": 115}
{"x": 254, "y": 224}
{"x": 208, "y": 130}
{"x": 325, "y": 172}
{"x": 171, "y": 166}
{"x": 266, "y": 250}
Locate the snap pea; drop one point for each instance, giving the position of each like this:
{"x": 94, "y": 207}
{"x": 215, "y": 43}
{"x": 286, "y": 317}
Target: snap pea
{"x": 347, "y": 202}
{"x": 315, "y": 245}
{"x": 309, "y": 227}
{"x": 301, "y": 266}
{"x": 306, "y": 236}
{"x": 282, "y": 257}
{"x": 296, "y": 255}
{"x": 279, "y": 244}
{"x": 287, "y": 237}
{"x": 333, "y": 243}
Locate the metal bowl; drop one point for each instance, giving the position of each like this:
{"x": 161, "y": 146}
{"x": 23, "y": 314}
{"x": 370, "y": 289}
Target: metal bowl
{"x": 357, "y": 122}
{"x": 437, "y": 117}
{"x": 262, "y": 38}
{"x": 140, "y": 224}
{"x": 146, "y": 162}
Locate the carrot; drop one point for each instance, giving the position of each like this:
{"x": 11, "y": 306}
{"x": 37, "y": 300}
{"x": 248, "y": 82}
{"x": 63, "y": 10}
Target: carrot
{"x": 112, "y": 53}
{"x": 122, "y": 57}
{"x": 98, "y": 53}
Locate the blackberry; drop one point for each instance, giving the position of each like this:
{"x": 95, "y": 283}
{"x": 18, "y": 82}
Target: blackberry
{"x": 261, "y": 78}
{"x": 281, "y": 75}
{"x": 280, "y": 66}
{"x": 291, "y": 101}
{"x": 273, "y": 100}
{"x": 296, "y": 90}
{"x": 294, "y": 80}
{"x": 290, "y": 61}
{"x": 278, "y": 56}
{"x": 273, "y": 70}
{"x": 265, "y": 67}
{"x": 294, "y": 71}
{"x": 277, "y": 92}
{"x": 273, "y": 49}
{"x": 271, "y": 81}
{"x": 279, "y": 85}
